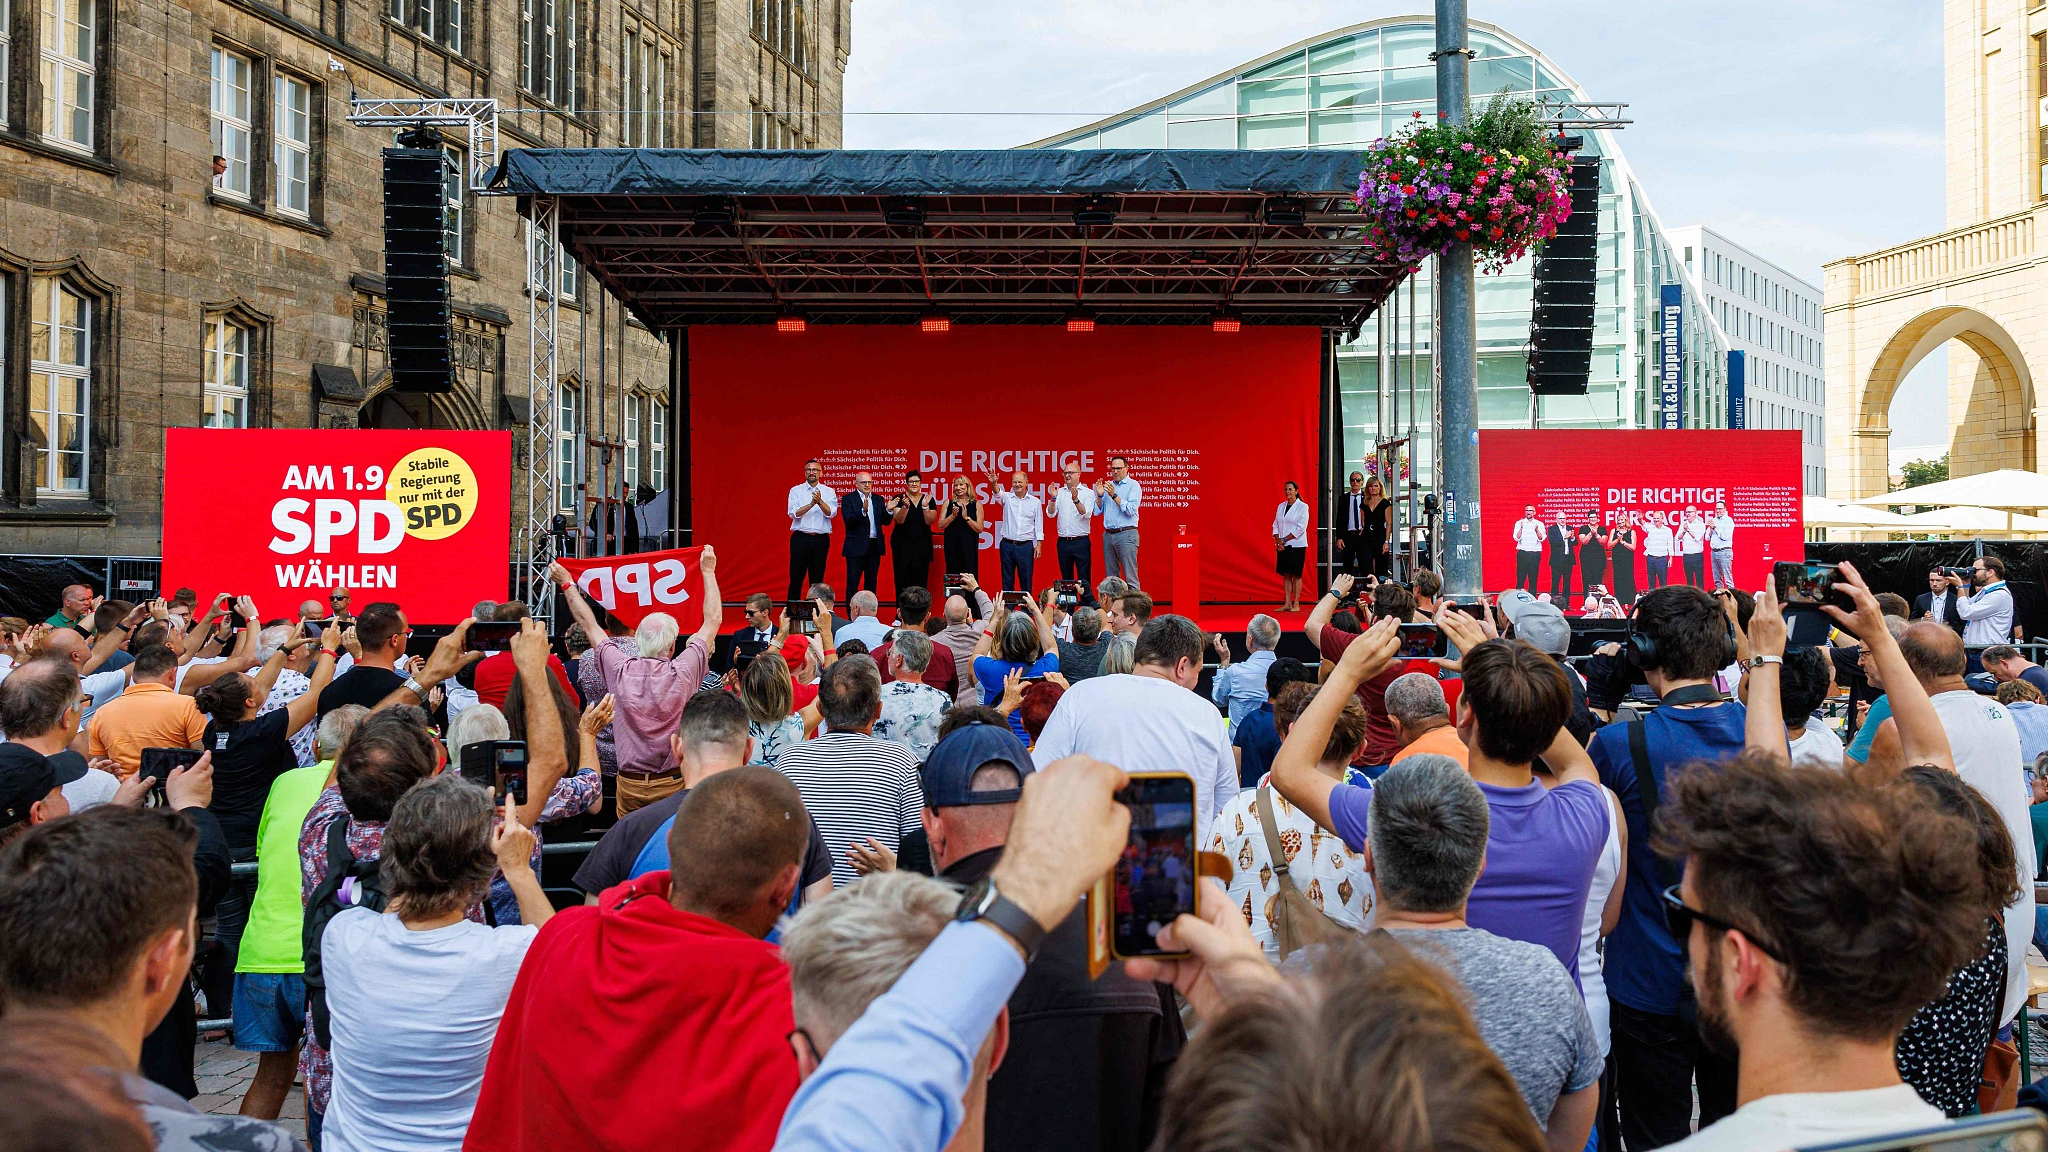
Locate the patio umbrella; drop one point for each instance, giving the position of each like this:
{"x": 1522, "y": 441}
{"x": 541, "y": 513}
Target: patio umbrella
{"x": 1967, "y": 519}
{"x": 2005, "y": 488}
{"x": 1821, "y": 512}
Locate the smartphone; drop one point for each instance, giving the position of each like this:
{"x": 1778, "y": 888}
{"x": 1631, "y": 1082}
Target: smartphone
{"x": 1016, "y": 601}
{"x": 480, "y": 760}
{"x": 1067, "y": 594}
{"x": 508, "y": 771}
{"x": 312, "y": 629}
{"x": 1476, "y": 610}
{"x": 159, "y": 763}
{"x": 1420, "y": 642}
{"x": 1154, "y": 879}
{"x": 804, "y": 613}
{"x": 491, "y": 636}
{"x": 1809, "y": 586}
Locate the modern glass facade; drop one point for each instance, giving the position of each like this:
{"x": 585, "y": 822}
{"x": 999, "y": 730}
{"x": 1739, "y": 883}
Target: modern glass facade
{"x": 1357, "y": 84}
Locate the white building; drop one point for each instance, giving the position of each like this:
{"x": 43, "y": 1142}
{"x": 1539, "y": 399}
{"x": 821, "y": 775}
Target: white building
{"x": 1773, "y": 317}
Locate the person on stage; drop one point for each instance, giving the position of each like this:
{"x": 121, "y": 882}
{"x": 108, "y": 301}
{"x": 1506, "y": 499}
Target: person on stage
{"x": 1592, "y": 544}
{"x": 1379, "y": 530}
{"x": 1290, "y": 537}
{"x": 1559, "y": 537}
{"x": 864, "y": 514}
{"x": 1073, "y": 513}
{"x": 1120, "y": 495}
{"x": 1692, "y": 547}
{"x": 1622, "y": 546}
{"x": 1528, "y": 547}
{"x": 1657, "y": 544}
{"x": 910, "y": 539}
{"x": 1721, "y": 542}
{"x": 812, "y": 504}
{"x": 1351, "y": 537}
{"x": 961, "y": 524}
{"x": 1021, "y": 531}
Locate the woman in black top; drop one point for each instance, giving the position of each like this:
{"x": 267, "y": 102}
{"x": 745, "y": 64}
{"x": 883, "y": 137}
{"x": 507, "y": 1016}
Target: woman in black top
{"x": 1624, "y": 544}
{"x": 1592, "y": 553}
{"x": 910, "y": 540}
{"x": 1379, "y": 528}
{"x": 961, "y": 521}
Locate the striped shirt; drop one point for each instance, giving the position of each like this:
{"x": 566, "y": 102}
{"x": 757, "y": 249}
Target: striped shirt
{"x": 855, "y": 786}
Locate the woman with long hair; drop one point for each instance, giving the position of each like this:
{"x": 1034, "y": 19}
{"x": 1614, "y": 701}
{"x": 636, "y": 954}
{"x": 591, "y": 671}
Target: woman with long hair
{"x": 1379, "y": 528}
{"x": 962, "y": 525}
{"x": 1018, "y": 640}
{"x": 765, "y": 688}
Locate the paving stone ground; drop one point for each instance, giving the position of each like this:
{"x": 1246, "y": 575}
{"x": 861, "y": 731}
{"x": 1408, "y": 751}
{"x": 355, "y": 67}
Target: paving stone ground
{"x": 224, "y": 1072}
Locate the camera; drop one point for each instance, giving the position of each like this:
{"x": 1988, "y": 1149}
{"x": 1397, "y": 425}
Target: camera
{"x": 1066, "y": 595}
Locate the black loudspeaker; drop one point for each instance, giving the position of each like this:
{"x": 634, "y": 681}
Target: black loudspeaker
{"x": 416, "y": 266}
{"x": 1561, "y": 321}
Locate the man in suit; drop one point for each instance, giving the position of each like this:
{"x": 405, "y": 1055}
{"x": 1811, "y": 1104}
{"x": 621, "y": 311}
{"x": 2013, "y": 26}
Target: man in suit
{"x": 867, "y": 526}
{"x": 1351, "y": 555}
{"x": 1938, "y": 602}
{"x": 1559, "y": 537}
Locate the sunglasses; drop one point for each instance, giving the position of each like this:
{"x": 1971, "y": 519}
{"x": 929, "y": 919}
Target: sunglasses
{"x": 1680, "y": 915}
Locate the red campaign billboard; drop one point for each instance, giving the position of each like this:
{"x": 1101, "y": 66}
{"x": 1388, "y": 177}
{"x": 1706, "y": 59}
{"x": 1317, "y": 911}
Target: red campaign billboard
{"x": 1627, "y": 476}
{"x": 1212, "y": 424}
{"x": 419, "y": 517}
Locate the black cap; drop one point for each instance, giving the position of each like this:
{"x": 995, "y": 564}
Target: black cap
{"x": 27, "y": 776}
{"x": 947, "y": 772}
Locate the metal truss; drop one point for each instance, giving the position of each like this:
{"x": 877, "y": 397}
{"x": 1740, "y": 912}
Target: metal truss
{"x": 479, "y": 118}
{"x": 1583, "y": 114}
{"x": 543, "y": 378}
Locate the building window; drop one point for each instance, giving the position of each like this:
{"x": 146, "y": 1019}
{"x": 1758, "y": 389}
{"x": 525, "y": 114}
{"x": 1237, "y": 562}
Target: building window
{"x": 547, "y": 50}
{"x": 70, "y": 50}
{"x": 567, "y": 427}
{"x": 232, "y": 128}
{"x": 291, "y": 144}
{"x": 60, "y": 386}
{"x": 647, "y": 77}
{"x": 631, "y": 467}
{"x": 6, "y": 63}
{"x": 657, "y": 444}
{"x": 454, "y": 190}
{"x": 226, "y": 395}
{"x": 437, "y": 20}
{"x": 571, "y": 274}
{"x": 784, "y": 26}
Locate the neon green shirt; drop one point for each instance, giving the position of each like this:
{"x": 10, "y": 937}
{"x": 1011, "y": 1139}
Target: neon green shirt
{"x": 271, "y": 942}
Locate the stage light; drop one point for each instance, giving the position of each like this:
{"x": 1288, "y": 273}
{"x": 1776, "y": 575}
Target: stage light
{"x": 1225, "y": 321}
{"x": 1286, "y": 213}
{"x": 718, "y": 214}
{"x": 936, "y": 322}
{"x": 1198, "y": 256}
{"x": 1080, "y": 321}
{"x": 1094, "y": 212}
{"x": 789, "y": 322}
{"x": 903, "y": 214}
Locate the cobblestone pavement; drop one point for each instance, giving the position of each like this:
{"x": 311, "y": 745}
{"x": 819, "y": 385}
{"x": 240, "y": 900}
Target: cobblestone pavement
{"x": 224, "y": 1072}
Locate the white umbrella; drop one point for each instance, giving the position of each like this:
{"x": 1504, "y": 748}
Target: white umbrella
{"x": 1821, "y": 512}
{"x": 2005, "y": 488}
{"x": 1967, "y": 519}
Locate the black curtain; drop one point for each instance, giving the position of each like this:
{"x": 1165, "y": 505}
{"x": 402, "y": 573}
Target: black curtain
{"x": 1902, "y": 566}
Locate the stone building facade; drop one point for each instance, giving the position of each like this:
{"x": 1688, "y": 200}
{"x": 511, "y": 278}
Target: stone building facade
{"x": 140, "y": 290}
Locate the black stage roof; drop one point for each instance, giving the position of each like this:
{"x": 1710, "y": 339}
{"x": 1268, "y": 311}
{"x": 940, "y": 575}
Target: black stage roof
{"x": 1147, "y": 236}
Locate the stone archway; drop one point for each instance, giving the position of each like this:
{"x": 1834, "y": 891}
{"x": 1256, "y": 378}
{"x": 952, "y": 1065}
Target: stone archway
{"x": 1990, "y": 397}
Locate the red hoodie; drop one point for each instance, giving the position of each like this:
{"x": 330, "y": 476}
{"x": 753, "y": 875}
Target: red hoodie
{"x": 635, "y": 1025}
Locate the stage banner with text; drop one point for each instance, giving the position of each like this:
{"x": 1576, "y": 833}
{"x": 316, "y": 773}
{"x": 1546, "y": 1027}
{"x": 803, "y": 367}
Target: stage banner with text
{"x": 1212, "y": 425}
{"x": 418, "y": 517}
{"x": 1636, "y": 478}
{"x": 639, "y": 584}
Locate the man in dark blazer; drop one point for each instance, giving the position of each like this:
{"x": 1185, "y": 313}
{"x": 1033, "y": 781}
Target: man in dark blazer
{"x": 1939, "y": 602}
{"x": 867, "y": 534}
{"x": 1559, "y": 537}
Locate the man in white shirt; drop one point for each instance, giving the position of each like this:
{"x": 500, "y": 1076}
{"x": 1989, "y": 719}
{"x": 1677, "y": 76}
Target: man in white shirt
{"x": 1020, "y": 532}
{"x": 1692, "y": 547}
{"x": 1721, "y": 541}
{"x": 1985, "y": 605}
{"x": 866, "y": 625}
{"x": 1656, "y": 551}
{"x": 1151, "y": 720}
{"x": 1811, "y": 981}
{"x": 1073, "y": 513}
{"x": 1528, "y": 548}
{"x": 812, "y": 505}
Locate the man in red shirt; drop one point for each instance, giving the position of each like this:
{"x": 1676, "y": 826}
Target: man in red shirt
{"x": 661, "y": 1013}
{"x": 1382, "y": 736}
{"x": 913, "y": 604}
{"x": 495, "y": 673}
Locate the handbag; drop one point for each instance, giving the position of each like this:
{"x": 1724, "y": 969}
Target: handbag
{"x": 1999, "y": 1088}
{"x": 1297, "y": 922}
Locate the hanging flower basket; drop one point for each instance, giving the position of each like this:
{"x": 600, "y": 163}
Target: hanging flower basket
{"x": 1496, "y": 183}
{"x": 1372, "y": 467}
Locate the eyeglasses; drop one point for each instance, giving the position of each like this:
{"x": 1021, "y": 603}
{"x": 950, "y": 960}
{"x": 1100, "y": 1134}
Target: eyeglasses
{"x": 1680, "y": 915}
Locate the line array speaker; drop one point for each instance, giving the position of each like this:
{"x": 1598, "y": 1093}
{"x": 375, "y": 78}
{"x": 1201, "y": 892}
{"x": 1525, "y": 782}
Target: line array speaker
{"x": 1561, "y": 321}
{"x": 416, "y": 265}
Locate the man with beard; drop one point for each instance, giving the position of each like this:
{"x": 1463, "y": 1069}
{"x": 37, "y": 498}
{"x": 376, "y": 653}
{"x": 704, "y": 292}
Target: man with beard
{"x": 1985, "y": 606}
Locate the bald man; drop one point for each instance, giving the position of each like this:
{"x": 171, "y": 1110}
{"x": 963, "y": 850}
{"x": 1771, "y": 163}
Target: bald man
{"x": 76, "y": 607}
{"x": 1020, "y": 533}
{"x": 867, "y": 525}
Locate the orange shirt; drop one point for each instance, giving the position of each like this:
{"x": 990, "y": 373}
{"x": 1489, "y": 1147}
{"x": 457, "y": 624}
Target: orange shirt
{"x": 1442, "y": 741}
{"x": 144, "y": 716}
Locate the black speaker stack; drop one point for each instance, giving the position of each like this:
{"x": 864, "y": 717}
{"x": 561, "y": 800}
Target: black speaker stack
{"x": 1561, "y": 324}
{"x": 416, "y": 263}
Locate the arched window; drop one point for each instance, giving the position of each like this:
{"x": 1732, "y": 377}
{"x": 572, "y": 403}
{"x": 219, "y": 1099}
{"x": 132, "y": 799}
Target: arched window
{"x": 225, "y": 398}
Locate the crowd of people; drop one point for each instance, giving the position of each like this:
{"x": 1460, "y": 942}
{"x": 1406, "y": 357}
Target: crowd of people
{"x": 1500, "y": 898}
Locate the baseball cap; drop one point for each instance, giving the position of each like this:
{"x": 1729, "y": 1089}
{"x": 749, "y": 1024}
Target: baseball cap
{"x": 947, "y": 771}
{"x": 1537, "y": 622}
{"x": 27, "y": 776}
{"x": 793, "y": 650}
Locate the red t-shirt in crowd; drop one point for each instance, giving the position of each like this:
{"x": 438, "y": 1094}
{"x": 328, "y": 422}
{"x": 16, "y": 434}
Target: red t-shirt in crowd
{"x": 495, "y": 673}
{"x": 1381, "y": 738}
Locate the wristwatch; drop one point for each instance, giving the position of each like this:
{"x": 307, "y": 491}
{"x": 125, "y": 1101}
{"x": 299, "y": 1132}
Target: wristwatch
{"x": 1760, "y": 660}
{"x": 983, "y": 902}
{"x": 413, "y": 686}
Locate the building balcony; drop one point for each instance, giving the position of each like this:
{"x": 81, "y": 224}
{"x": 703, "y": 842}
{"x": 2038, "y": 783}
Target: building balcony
{"x": 1991, "y": 246}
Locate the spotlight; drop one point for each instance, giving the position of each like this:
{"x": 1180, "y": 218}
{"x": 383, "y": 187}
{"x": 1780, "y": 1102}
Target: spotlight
{"x": 718, "y": 214}
{"x": 936, "y": 322}
{"x": 1198, "y": 256}
{"x": 789, "y": 322}
{"x": 1226, "y": 321}
{"x": 1094, "y": 212}
{"x": 1286, "y": 213}
{"x": 1080, "y": 320}
{"x": 903, "y": 214}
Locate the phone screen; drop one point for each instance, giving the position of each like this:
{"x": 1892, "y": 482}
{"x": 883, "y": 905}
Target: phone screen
{"x": 510, "y": 771}
{"x": 1014, "y": 601}
{"x": 491, "y": 636}
{"x": 1809, "y": 585}
{"x": 1476, "y": 610}
{"x": 312, "y": 629}
{"x": 804, "y": 613}
{"x": 1154, "y": 879}
{"x": 1420, "y": 641}
{"x": 159, "y": 763}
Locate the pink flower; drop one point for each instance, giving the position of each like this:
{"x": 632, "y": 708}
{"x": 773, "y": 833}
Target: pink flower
{"x": 1467, "y": 147}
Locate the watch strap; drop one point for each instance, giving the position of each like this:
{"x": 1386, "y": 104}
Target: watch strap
{"x": 984, "y": 902}
{"x": 1760, "y": 660}
{"x": 413, "y": 686}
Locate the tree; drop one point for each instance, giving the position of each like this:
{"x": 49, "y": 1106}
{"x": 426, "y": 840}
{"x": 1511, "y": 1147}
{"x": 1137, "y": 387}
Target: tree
{"x": 1914, "y": 473}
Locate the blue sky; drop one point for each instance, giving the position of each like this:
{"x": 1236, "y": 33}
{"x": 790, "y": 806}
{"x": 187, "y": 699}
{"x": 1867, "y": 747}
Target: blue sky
{"x": 1807, "y": 130}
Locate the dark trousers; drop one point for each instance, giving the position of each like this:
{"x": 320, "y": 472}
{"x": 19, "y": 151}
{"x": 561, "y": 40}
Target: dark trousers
{"x": 1656, "y": 569}
{"x": 1560, "y": 577}
{"x": 1351, "y": 553}
{"x": 1525, "y": 568}
{"x": 1017, "y": 561}
{"x": 807, "y": 552}
{"x": 1695, "y": 569}
{"x": 1656, "y": 1061}
{"x": 1075, "y": 561}
{"x": 864, "y": 572}
{"x": 912, "y": 570}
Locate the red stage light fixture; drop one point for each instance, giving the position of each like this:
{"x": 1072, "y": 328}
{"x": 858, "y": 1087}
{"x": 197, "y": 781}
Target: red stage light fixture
{"x": 789, "y": 322}
{"x": 1226, "y": 322}
{"x": 1080, "y": 322}
{"x": 936, "y": 322}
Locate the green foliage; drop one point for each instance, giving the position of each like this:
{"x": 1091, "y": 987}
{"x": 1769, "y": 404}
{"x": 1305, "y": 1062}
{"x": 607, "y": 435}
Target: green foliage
{"x": 1914, "y": 473}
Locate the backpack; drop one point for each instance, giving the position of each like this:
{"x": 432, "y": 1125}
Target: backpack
{"x": 324, "y": 905}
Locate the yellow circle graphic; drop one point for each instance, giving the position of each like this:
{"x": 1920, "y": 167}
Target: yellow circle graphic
{"x": 435, "y": 491}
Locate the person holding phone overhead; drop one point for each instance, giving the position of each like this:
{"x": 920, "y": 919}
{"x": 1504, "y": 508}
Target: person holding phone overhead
{"x": 912, "y": 514}
{"x": 961, "y": 523}
{"x": 1290, "y": 539}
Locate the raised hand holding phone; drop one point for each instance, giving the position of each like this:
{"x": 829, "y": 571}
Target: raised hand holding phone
{"x": 1221, "y": 963}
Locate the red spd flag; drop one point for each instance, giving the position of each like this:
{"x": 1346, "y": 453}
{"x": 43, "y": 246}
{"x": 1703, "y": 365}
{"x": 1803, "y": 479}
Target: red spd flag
{"x": 636, "y": 586}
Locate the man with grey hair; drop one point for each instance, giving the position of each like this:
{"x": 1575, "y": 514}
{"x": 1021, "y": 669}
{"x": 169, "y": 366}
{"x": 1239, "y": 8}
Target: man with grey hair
{"x": 1424, "y": 851}
{"x": 1108, "y": 589}
{"x": 1422, "y": 716}
{"x": 856, "y": 785}
{"x": 1241, "y": 687}
{"x": 300, "y": 653}
{"x": 866, "y": 626}
{"x": 911, "y": 708}
{"x": 1081, "y": 654}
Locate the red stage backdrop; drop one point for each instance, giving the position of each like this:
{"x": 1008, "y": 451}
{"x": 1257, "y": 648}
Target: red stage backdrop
{"x": 635, "y": 586}
{"x": 422, "y": 518}
{"x": 1622, "y": 475}
{"x": 1212, "y": 424}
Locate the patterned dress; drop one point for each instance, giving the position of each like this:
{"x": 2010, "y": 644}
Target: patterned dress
{"x": 1331, "y": 875}
{"x": 1941, "y": 1051}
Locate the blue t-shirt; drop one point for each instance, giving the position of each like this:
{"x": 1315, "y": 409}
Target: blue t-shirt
{"x": 1859, "y": 748}
{"x": 1259, "y": 741}
{"x": 989, "y": 673}
{"x": 1645, "y": 967}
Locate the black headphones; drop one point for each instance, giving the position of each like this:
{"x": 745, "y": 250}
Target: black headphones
{"x": 1642, "y": 649}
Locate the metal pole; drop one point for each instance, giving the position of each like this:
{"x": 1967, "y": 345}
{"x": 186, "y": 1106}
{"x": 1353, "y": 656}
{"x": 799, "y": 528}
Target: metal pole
{"x": 1414, "y": 453}
{"x": 1456, "y": 353}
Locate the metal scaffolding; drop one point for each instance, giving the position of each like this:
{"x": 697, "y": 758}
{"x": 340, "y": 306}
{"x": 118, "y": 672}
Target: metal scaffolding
{"x": 477, "y": 118}
{"x": 543, "y": 378}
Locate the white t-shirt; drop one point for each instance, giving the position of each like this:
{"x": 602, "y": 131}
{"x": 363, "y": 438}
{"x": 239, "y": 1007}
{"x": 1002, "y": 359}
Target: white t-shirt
{"x": 1656, "y": 540}
{"x": 414, "y": 1014}
{"x": 1146, "y": 724}
{"x": 1986, "y": 745}
{"x": 1592, "y": 977}
{"x": 1528, "y": 535}
{"x": 91, "y": 790}
{"x": 1803, "y": 1119}
{"x": 1817, "y": 746}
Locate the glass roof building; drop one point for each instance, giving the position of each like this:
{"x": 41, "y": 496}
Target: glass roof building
{"x": 1349, "y": 87}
